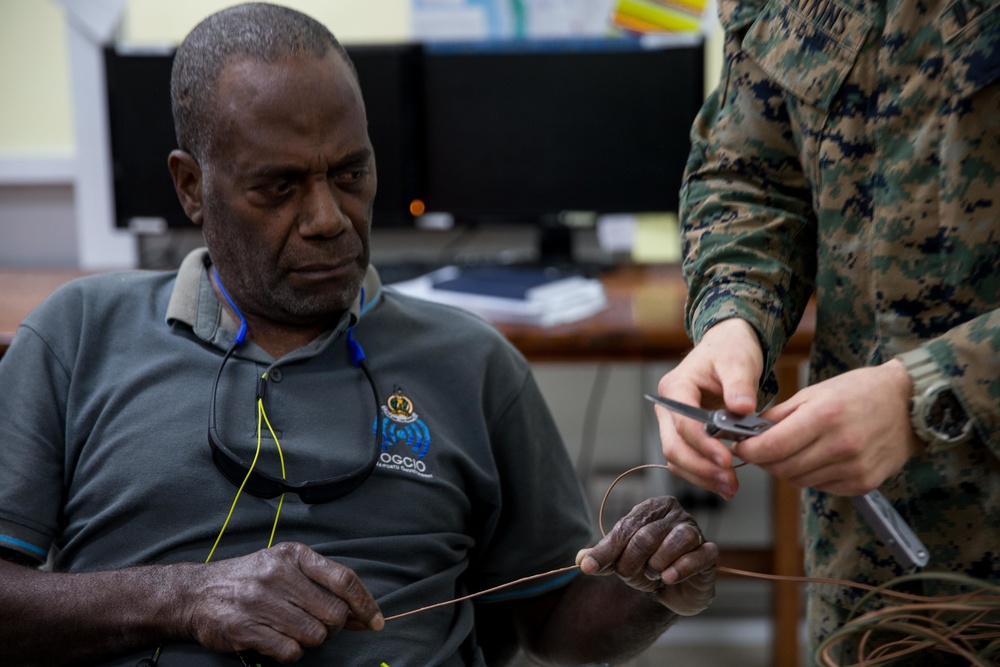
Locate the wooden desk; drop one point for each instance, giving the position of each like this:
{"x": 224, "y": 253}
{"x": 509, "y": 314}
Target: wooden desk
{"x": 644, "y": 322}
{"x": 21, "y": 290}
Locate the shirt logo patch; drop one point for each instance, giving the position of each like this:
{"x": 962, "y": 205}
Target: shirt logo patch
{"x": 405, "y": 437}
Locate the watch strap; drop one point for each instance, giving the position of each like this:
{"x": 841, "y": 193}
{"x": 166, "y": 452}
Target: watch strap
{"x": 922, "y": 369}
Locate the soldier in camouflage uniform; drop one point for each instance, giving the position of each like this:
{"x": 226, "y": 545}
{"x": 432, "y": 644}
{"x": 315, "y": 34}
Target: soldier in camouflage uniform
{"x": 851, "y": 151}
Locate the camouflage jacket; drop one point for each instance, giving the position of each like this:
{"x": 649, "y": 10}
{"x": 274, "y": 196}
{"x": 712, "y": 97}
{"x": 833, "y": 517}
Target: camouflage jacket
{"x": 852, "y": 151}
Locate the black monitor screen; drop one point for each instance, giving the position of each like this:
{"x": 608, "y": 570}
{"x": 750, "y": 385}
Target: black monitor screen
{"x": 141, "y": 128}
{"x": 142, "y": 133}
{"x": 516, "y": 133}
{"x": 390, "y": 83}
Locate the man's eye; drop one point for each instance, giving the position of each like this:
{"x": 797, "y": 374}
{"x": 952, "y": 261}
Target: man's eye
{"x": 278, "y": 188}
{"x": 349, "y": 176}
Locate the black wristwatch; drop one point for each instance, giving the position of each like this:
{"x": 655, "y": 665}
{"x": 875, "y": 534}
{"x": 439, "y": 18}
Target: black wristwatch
{"x": 937, "y": 415}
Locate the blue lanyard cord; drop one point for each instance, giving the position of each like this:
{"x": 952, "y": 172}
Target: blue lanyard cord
{"x": 242, "y": 334}
{"x": 357, "y": 354}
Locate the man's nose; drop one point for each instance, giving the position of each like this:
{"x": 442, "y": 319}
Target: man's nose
{"x": 322, "y": 214}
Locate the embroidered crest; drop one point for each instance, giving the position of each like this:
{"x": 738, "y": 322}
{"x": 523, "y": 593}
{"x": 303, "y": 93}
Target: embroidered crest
{"x": 399, "y": 408}
{"x": 402, "y": 426}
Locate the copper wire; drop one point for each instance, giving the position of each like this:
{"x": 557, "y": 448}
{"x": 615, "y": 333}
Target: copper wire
{"x": 920, "y": 623}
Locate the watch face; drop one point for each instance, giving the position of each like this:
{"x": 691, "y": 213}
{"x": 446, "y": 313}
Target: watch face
{"x": 946, "y": 415}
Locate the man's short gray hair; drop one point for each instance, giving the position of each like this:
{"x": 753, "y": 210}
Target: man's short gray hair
{"x": 256, "y": 31}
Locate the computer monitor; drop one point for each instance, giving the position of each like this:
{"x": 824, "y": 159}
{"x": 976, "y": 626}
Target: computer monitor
{"x": 524, "y": 132}
{"x": 141, "y": 129}
{"x": 142, "y": 133}
{"x": 390, "y": 76}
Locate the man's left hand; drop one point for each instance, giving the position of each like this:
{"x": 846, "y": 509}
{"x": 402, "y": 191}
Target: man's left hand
{"x": 658, "y": 548}
{"x": 845, "y": 435}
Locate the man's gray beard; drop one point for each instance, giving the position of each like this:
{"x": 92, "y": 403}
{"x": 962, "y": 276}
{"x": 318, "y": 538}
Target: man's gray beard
{"x": 239, "y": 257}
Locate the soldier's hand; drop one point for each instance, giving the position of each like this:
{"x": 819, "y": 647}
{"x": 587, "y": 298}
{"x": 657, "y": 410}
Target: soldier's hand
{"x": 723, "y": 370}
{"x": 844, "y": 435}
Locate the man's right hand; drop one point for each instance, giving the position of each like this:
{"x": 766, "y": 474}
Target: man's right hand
{"x": 277, "y": 602}
{"x": 723, "y": 370}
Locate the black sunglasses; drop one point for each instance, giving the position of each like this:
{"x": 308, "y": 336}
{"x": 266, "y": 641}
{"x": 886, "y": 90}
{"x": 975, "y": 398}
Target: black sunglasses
{"x": 264, "y": 485}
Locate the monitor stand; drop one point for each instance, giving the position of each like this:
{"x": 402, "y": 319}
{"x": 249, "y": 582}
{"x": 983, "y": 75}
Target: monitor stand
{"x": 556, "y": 249}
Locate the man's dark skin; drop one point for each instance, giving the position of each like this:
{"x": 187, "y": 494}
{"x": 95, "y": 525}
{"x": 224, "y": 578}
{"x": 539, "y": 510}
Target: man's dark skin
{"x": 285, "y": 200}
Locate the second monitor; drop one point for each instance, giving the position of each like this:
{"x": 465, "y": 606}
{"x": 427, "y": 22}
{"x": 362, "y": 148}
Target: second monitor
{"x": 524, "y": 132}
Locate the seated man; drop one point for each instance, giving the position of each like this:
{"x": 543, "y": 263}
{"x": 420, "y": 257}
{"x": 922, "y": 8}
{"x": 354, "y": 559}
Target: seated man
{"x": 395, "y": 453}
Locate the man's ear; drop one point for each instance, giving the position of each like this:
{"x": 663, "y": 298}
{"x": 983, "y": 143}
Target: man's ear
{"x": 186, "y": 173}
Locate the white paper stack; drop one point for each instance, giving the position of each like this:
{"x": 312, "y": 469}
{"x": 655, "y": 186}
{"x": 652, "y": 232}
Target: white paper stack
{"x": 522, "y": 295}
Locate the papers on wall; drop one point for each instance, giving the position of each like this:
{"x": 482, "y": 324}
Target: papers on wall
{"x": 657, "y": 16}
{"x": 435, "y": 20}
{"x": 515, "y": 295}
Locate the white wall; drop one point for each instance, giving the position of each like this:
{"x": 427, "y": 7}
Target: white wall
{"x": 36, "y": 137}
{"x": 159, "y": 22}
{"x": 35, "y": 117}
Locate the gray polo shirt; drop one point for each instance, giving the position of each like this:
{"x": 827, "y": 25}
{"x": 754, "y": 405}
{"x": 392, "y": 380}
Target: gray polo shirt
{"x": 104, "y": 454}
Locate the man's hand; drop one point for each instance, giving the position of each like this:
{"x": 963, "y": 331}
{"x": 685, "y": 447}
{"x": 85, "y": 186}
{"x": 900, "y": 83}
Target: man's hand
{"x": 278, "y": 602}
{"x": 658, "y": 548}
{"x": 662, "y": 569}
{"x": 844, "y": 435}
{"x": 723, "y": 370}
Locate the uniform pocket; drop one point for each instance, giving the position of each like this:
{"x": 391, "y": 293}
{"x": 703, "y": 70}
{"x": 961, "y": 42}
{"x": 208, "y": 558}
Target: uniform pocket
{"x": 971, "y": 31}
{"x": 808, "y": 47}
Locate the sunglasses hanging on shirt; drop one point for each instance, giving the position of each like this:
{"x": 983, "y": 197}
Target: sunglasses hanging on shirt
{"x": 265, "y": 485}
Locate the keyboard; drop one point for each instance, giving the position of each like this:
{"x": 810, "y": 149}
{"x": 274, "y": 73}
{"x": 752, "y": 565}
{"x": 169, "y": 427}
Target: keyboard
{"x": 399, "y": 271}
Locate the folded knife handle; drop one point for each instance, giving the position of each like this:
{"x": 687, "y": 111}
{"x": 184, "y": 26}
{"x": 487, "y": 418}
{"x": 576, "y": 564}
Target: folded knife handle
{"x": 892, "y": 530}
